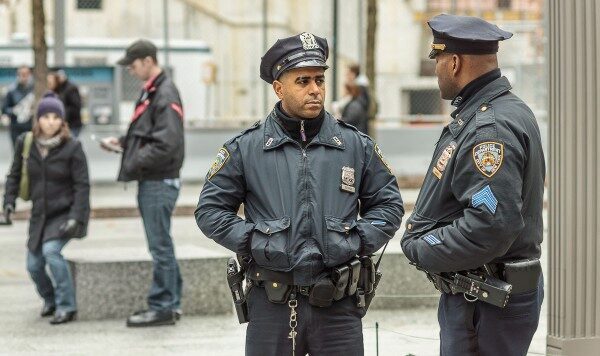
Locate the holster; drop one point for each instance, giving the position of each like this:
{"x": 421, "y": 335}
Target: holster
{"x": 366, "y": 280}
{"x": 340, "y": 277}
{"x": 522, "y": 275}
{"x": 322, "y": 293}
{"x": 355, "y": 267}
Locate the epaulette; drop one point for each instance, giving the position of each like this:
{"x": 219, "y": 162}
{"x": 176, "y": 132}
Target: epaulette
{"x": 485, "y": 122}
{"x": 352, "y": 127}
{"x": 245, "y": 131}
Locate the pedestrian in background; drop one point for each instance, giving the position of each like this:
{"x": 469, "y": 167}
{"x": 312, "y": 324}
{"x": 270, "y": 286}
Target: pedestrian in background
{"x": 68, "y": 93}
{"x": 355, "y": 111}
{"x": 153, "y": 151}
{"x": 59, "y": 190}
{"x": 18, "y": 103}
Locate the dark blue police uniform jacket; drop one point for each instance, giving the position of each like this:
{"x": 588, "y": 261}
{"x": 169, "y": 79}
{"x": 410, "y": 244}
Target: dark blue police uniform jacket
{"x": 482, "y": 198}
{"x": 301, "y": 205}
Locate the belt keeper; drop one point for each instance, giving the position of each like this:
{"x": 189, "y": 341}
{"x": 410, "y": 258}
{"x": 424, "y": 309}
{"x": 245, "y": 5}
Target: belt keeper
{"x": 360, "y": 298}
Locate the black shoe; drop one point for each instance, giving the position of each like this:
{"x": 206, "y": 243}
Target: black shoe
{"x": 177, "y": 314}
{"x": 61, "y": 317}
{"x": 151, "y": 318}
{"x": 48, "y": 310}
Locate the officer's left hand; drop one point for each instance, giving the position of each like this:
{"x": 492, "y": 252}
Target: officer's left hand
{"x": 69, "y": 228}
{"x": 442, "y": 285}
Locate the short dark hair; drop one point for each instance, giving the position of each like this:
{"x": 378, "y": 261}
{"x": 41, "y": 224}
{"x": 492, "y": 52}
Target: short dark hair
{"x": 354, "y": 68}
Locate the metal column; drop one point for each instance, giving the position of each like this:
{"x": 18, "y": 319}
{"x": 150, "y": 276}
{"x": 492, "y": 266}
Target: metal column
{"x": 574, "y": 216}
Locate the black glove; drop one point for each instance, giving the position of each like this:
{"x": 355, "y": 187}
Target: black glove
{"x": 70, "y": 228}
{"x": 5, "y": 218}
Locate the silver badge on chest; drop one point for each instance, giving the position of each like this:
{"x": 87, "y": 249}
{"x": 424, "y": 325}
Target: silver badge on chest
{"x": 348, "y": 180}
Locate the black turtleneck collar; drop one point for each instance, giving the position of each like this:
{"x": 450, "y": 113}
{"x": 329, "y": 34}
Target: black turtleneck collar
{"x": 473, "y": 87}
{"x": 293, "y": 126}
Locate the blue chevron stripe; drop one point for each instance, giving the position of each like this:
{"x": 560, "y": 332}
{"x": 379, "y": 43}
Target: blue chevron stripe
{"x": 432, "y": 240}
{"x": 485, "y": 197}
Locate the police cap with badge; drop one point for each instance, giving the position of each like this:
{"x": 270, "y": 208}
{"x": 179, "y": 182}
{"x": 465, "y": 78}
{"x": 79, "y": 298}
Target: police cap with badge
{"x": 464, "y": 35}
{"x": 300, "y": 51}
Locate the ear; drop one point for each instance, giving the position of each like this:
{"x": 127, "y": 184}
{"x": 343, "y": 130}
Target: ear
{"x": 456, "y": 64}
{"x": 278, "y": 88}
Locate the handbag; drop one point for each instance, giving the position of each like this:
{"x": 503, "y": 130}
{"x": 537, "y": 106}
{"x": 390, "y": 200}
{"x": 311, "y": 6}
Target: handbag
{"x": 24, "y": 182}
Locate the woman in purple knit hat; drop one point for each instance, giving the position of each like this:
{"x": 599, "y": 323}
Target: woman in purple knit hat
{"x": 59, "y": 191}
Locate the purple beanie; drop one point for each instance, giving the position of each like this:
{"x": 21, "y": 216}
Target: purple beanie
{"x": 51, "y": 103}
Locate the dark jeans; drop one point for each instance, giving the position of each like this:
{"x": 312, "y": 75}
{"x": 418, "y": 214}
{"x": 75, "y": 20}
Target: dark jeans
{"x": 485, "y": 330}
{"x": 156, "y": 201}
{"x": 62, "y": 293}
{"x": 336, "y": 330}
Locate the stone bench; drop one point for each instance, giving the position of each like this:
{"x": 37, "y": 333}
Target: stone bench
{"x": 113, "y": 282}
{"x": 402, "y": 286}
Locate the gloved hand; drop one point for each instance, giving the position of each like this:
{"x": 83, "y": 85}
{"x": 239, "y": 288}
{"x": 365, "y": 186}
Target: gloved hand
{"x": 5, "y": 218}
{"x": 70, "y": 228}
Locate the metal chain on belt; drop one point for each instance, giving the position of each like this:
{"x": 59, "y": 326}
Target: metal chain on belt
{"x": 293, "y": 303}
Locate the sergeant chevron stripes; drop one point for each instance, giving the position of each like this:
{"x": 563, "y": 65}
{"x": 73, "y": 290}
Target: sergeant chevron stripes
{"x": 485, "y": 197}
{"x": 432, "y": 240}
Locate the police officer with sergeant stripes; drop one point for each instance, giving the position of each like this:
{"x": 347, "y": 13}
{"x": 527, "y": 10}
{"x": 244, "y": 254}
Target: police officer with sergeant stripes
{"x": 480, "y": 207}
{"x": 304, "y": 178}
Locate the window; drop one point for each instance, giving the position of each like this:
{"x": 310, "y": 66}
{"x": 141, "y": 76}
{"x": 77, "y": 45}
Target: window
{"x": 424, "y": 102}
{"x": 504, "y": 4}
{"x": 90, "y": 61}
{"x": 89, "y": 4}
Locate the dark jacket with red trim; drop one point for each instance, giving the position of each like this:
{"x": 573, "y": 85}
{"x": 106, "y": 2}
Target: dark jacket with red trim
{"x": 153, "y": 148}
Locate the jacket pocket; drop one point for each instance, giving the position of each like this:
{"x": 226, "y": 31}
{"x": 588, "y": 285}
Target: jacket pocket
{"x": 269, "y": 243}
{"x": 342, "y": 241}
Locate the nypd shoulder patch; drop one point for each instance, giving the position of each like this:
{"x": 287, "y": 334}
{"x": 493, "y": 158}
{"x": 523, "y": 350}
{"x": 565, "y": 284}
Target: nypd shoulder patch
{"x": 486, "y": 198}
{"x": 432, "y": 240}
{"x": 380, "y": 154}
{"x": 222, "y": 157}
{"x": 488, "y": 157}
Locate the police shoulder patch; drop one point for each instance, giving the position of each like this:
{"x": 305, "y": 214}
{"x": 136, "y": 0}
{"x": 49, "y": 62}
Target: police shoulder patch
{"x": 222, "y": 157}
{"x": 380, "y": 154}
{"x": 488, "y": 157}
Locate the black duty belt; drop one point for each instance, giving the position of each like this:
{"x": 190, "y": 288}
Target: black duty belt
{"x": 357, "y": 277}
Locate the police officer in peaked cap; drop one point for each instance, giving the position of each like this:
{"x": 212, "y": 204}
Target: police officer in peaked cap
{"x": 304, "y": 178}
{"x": 480, "y": 206}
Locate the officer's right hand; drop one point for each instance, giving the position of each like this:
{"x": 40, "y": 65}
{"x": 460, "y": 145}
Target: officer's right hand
{"x": 5, "y": 218}
{"x": 111, "y": 144}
